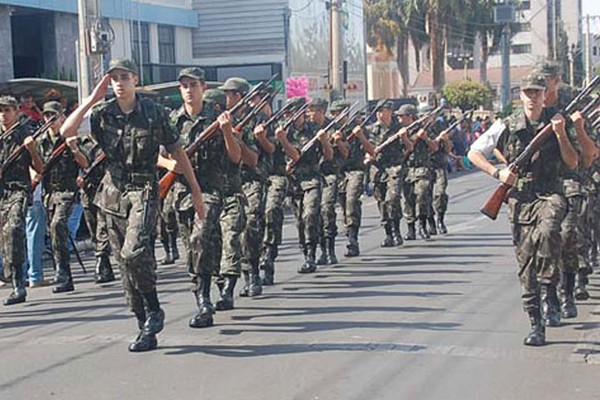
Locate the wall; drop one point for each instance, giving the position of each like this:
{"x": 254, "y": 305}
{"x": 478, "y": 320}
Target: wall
{"x": 6, "y": 61}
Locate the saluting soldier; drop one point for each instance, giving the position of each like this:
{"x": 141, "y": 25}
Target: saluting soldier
{"x": 130, "y": 130}
{"x": 60, "y": 190}
{"x": 537, "y": 205}
{"x": 15, "y": 194}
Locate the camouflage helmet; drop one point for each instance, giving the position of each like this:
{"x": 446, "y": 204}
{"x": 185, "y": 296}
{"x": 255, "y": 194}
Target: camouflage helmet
{"x": 215, "y": 96}
{"x": 8, "y": 101}
{"x": 407, "y": 109}
{"x": 53, "y": 107}
{"x": 236, "y": 85}
{"x": 533, "y": 81}
{"x": 339, "y": 105}
{"x": 318, "y": 102}
{"x": 191, "y": 72}
{"x": 123, "y": 64}
{"x": 547, "y": 68}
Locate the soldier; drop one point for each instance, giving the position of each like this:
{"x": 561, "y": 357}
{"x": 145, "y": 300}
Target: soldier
{"x": 537, "y": 204}
{"x": 439, "y": 204}
{"x": 130, "y": 130}
{"x": 418, "y": 178}
{"x": 389, "y": 177}
{"x": 306, "y": 180}
{"x": 60, "y": 191}
{"x": 15, "y": 194}
{"x": 94, "y": 216}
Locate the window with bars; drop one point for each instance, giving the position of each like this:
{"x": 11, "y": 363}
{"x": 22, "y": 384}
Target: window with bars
{"x": 166, "y": 44}
{"x": 140, "y": 39}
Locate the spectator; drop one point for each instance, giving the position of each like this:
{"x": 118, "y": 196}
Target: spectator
{"x": 35, "y": 225}
{"x": 29, "y": 108}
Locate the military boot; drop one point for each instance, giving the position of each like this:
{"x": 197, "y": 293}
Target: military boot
{"x": 537, "y": 336}
{"x": 397, "y": 235}
{"x": 204, "y": 316}
{"x": 244, "y": 289}
{"x": 63, "y": 281}
{"x": 440, "y": 224}
{"x": 104, "y": 272}
{"x": 168, "y": 254}
{"x": 144, "y": 341}
{"x": 174, "y": 249}
{"x": 267, "y": 264}
{"x": 331, "y": 257}
{"x": 432, "y": 229}
{"x": 254, "y": 285}
{"x": 581, "y": 292}
{"x": 155, "y": 321}
{"x": 410, "y": 233}
{"x": 389, "y": 236}
{"x": 567, "y": 301}
{"x": 19, "y": 293}
{"x": 226, "y": 301}
{"x": 550, "y": 305}
{"x": 423, "y": 232}
{"x": 323, "y": 258}
{"x": 352, "y": 249}
{"x": 309, "y": 265}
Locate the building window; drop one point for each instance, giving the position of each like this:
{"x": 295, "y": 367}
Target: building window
{"x": 524, "y": 5}
{"x": 522, "y": 27}
{"x": 166, "y": 44}
{"x": 595, "y": 50}
{"x": 520, "y": 49}
{"x": 140, "y": 42}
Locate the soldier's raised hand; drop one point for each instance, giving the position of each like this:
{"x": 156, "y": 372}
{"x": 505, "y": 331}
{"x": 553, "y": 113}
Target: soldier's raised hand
{"x": 29, "y": 143}
{"x": 280, "y": 133}
{"x": 224, "y": 119}
{"x": 260, "y": 131}
{"x": 558, "y": 124}
{"x": 100, "y": 90}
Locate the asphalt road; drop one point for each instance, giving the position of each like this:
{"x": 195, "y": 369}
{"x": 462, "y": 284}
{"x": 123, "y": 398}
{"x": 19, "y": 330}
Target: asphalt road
{"x": 432, "y": 320}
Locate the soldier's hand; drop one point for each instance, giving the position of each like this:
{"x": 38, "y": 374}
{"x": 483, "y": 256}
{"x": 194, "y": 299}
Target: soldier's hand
{"x": 578, "y": 120}
{"x": 443, "y": 135}
{"x": 558, "y": 124}
{"x": 280, "y": 133}
{"x": 72, "y": 143}
{"x": 507, "y": 176}
{"x": 80, "y": 182}
{"x": 337, "y": 136}
{"x": 322, "y": 135}
{"x": 260, "y": 131}
{"x": 100, "y": 90}
{"x": 35, "y": 177}
{"x": 29, "y": 143}
{"x": 422, "y": 134}
{"x": 357, "y": 131}
{"x": 224, "y": 119}
{"x": 199, "y": 206}
{"x": 403, "y": 133}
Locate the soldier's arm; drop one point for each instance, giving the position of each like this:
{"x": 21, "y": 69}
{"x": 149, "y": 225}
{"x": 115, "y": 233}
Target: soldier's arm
{"x": 324, "y": 140}
{"x": 234, "y": 151}
{"x": 289, "y": 150}
{"x": 589, "y": 150}
{"x": 36, "y": 161}
{"x": 567, "y": 151}
{"x": 366, "y": 144}
{"x": 179, "y": 155}
{"x": 78, "y": 155}
{"x": 261, "y": 136}
{"x": 341, "y": 144}
{"x": 74, "y": 120}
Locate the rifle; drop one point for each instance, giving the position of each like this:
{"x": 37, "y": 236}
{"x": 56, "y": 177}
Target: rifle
{"x": 19, "y": 150}
{"x": 51, "y": 161}
{"x": 288, "y": 107}
{"x": 97, "y": 161}
{"x": 431, "y": 117}
{"x": 13, "y": 128}
{"x": 309, "y": 145}
{"x": 492, "y": 206}
{"x": 167, "y": 181}
{"x": 366, "y": 120}
{"x": 254, "y": 112}
{"x": 295, "y": 117}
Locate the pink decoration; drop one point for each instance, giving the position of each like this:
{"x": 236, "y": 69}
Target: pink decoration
{"x": 297, "y": 87}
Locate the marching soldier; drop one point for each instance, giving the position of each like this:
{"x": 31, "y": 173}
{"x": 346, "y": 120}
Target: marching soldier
{"x": 439, "y": 204}
{"x": 15, "y": 194}
{"x": 60, "y": 186}
{"x": 130, "y": 130}
{"x": 537, "y": 204}
{"x": 306, "y": 180}
{"x": 419, "y": 174}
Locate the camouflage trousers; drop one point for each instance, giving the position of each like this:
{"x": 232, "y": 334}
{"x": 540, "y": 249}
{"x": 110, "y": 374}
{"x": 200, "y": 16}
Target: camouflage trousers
{"x": 130, "y": 230}
{"x": 350, "y": 198}
{"x": 254, "y": 230}
{"x": 276, "y": 192}
{"x": 306, "y": 202}
{"x": 594, "y": 221}
{"x": 95, "y": 220}
{"x": 440, "y": 196}
{"x": 13, "y": 208}
{"x": 416, "y": 194}
{"x": 167, "y": 223}
{"x": 329, "y": 195}
{"x": 59, "y": 206}
{"x": 573, "y": 229}
{"x": 536, "y": 225}
{"x": 388, "y": 193}
{"x": 215, "y": 242}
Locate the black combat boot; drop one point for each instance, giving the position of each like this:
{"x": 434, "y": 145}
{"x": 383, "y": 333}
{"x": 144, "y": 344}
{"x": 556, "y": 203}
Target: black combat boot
{"x": 174, "y": 249}
{"x": 267, "y": 264}
{"x": 331, "y": 257}
{"x": 168, "y": 254}
{"x": 19, "y": 293}
{"x": 255, "y": 285}
{"x": 104, "y": 272}
{"x": 389, "y": 236}
{"x": 244, "y": 289}
{"x": 63, "y": 281}
{"x": 309, "y": 265}
{"x": 155, "y": 321}
{"x": 144, "y": 341}
{"x": 226, "y": 301}
{"x": 550, "y": 305}
{"x": 537, "y": 336}
{"x": 432, "y": 228}
{"x": 397, "y": 235}
{"x": 567, "y": 301}
{"x": 410, "y": 233}
{"x": 323, "y": 259}
{"x": 440, "y": 223}
{"x": 352, "y": 249}
{"x": 423, "y": 232}
{"x": 581, "y": 292}
{"x": 204, "y": 316}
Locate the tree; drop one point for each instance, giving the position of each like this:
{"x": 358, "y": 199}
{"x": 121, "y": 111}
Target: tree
{"x": 467, "y": 94}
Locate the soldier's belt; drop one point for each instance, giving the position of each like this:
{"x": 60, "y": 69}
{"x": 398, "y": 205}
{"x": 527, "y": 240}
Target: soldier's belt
{"x": 138, "y": 179}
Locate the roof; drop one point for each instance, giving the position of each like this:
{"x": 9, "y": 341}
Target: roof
{"x": 424, "y": 79}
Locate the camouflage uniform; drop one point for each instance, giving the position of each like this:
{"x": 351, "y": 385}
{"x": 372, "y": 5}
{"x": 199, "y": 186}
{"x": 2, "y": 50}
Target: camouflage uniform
{"x": 168, "y": 229}
{"x": 389, "y": 180}
{"x": 15, "y": 197}
{"x": 61, "y": 191}
{"x": 306, "y": 194}
{"x": 439, "y": 203}
{"x": 94, "y": 216}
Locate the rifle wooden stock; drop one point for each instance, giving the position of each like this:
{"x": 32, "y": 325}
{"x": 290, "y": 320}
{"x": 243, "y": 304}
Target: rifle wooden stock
{"x": 99, "y": 160}
{"x": 492, "y": 206}
{"x": 51, "y": 161}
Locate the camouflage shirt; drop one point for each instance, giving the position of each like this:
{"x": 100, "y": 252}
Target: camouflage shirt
{"x": 92, "y": 151}
{"x": 393, "y": 154}
{"x": 16, "y": 176}
{"x": 308, "y": 166}
{"x": 62, "y": 175}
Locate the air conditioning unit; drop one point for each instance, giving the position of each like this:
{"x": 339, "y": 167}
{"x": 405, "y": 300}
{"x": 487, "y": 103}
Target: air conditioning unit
{"x": 504, "y": 13}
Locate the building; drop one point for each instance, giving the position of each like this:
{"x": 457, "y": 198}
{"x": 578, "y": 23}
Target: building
{"x": 38, "y": 38}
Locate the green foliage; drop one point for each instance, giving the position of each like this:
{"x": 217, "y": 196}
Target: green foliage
{"x": 467, "y": 94}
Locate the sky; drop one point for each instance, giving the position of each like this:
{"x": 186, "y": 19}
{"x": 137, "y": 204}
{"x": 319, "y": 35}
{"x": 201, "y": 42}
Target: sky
{"x": 591, "y": 7}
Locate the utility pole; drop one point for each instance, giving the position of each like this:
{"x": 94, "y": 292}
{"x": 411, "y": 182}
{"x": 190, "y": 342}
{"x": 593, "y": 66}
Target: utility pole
{"x": 504, "y": 14}
{"x": 588, "y": 51}
{"x": 336, "y": 46}
{"x": 95, "y": 38}
{"x": 572, "y": 65}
